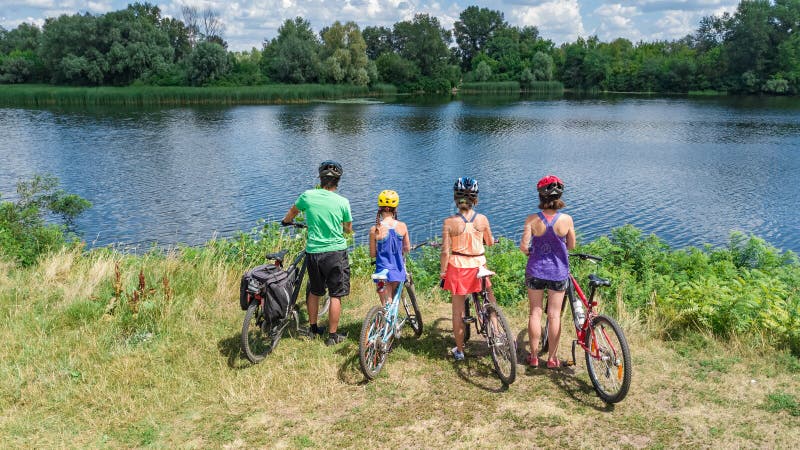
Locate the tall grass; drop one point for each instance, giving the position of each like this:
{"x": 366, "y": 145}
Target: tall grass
{"x": 536, "y": 87}
{"x": 489, "y": 86}
{"x": 44, "y": 95}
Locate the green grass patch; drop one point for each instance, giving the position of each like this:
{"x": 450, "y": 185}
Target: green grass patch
{"x": 489, "y": 86}
{"x": 781, "y": 401}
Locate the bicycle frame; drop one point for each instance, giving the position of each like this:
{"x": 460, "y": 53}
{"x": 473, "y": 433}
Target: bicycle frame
{"x": 588, "y": 304}
{"x": 391, "y": 313}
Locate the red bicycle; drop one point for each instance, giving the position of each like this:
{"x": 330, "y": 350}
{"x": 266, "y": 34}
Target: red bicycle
{"x": 608, "y": 358}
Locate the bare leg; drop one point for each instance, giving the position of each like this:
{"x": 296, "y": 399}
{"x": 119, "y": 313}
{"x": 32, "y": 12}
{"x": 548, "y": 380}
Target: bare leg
{"x": 535, "y": 298}
{"x": 333, "y": 314}
{"x": 458, "y": 320}
{"x": 312, "y": 301}
{"x": 554, "y": 300}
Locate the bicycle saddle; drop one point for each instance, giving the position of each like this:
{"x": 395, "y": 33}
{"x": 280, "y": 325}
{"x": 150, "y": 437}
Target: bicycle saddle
{"x": 483, "y": 272}
{"x": 277, "y": 256}
{"x": 595, "y": 281}
{"x": 382, "y": 275}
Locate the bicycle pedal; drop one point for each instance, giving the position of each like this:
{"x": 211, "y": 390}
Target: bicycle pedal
{"x": 569, "y": 363}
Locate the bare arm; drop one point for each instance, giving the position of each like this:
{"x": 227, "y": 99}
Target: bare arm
{"x": 488, "y": 239}
{"x": 406, "y": 241}
{"x": 291, "y": 214}
{"x": 347, "y": 227}
{"x": 571, "y": 235}
{"x": 445, "y": 255}
{"x": 372, "y": 242}
{"x": 525, "y": 242}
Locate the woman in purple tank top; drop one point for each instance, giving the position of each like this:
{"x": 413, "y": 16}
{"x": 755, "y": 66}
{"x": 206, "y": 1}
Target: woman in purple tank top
{"x": 546, "y": 239}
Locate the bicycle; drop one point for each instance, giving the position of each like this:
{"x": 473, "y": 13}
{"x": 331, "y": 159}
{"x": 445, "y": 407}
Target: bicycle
{"x": 491, "y": 323}
{"x": 608, "y": 358}
{"x": 382, "y": 324}
{"x": 259, "y": 336}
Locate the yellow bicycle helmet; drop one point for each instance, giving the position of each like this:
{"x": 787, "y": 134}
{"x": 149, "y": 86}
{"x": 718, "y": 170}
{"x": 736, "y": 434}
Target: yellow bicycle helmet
{"x": 388, "y": 198}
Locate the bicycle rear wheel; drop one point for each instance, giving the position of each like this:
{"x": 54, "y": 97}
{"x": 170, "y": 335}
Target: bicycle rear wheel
{"x": 256, "y": 342}
{"x": 501, "y": 343}
{"x": 610, "y": 371}
{"x": 414, "y": 317}
{"x": 371, "y": 348}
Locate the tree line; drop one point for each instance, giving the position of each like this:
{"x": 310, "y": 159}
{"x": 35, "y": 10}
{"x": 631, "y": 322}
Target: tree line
{"x": 756, "y": 49}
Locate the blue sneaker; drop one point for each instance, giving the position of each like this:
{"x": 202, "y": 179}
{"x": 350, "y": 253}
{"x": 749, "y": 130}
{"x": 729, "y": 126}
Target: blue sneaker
{"x": 457, "y": 355}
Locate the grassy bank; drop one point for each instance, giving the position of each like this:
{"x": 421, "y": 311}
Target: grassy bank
{"x": 110, "y": 350}
{"x": 45, "y": 95}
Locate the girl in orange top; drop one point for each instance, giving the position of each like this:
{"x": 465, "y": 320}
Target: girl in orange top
{"x": 463, "y": 238}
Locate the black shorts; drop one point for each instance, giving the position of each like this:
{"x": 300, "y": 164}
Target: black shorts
{"x": 329, "y": 270}
{"x": 538, "y": 284}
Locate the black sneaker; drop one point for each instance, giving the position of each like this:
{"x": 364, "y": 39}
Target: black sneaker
{"x": 318, "y": 334}
{"x": 335, "y": 338}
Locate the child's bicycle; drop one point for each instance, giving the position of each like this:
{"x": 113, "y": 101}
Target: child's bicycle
{"x": 259, "y": 335}
{"x": 383, "y": 324}
{"x": 608, "y": 359}
{"x": 492, "y": 324}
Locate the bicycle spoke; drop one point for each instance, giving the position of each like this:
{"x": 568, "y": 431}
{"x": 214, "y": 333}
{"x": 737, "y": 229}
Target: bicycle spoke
{"x": 608, "y": 359}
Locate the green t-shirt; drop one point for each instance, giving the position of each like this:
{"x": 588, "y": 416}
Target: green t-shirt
{"x": 325, "y": 212}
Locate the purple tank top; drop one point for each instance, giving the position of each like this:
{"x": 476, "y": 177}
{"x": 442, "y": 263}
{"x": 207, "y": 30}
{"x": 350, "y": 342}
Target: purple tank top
{"x": 548, "y": 258}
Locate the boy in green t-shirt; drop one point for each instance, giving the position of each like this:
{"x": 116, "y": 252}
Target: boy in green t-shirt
{"x": 328, "y": 218}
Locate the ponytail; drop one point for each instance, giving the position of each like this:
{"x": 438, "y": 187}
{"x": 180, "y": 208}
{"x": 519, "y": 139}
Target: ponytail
{"x": 381, "y": 210}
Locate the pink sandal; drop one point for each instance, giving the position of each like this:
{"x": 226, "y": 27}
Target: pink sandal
{"x": 533, "y": 361}
{"x": 553, "y": 363}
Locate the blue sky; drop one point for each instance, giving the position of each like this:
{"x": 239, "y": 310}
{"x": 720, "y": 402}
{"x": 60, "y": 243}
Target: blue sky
{"x": 249, "y": 22}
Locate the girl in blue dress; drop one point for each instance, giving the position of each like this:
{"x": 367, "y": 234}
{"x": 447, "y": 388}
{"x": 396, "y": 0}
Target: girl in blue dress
{"x": 388, "y": 242}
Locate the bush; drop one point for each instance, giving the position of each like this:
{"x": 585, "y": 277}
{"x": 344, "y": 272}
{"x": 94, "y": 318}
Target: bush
{"x": 24, "y": 234}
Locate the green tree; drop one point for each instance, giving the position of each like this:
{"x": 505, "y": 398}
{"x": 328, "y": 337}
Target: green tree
{"x": 748, "y": 43}
{"x": 483, "y": 72}
{"x": 542, "y": 66}
{"x": 396, "y": 70}
{"x": 344, "y": 53}
{"x": 26, "y": 37}
{"x": 379, "y": 40}
{"x": 207, "y": 62}
{"x": 474, "y": 29}
{"x": 423, "y": 41}
{"x": 293, "y": 55}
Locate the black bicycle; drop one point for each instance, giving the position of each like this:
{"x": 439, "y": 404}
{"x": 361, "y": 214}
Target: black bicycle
{"x": 260, "y": 336}
{"x": 492, "y": 324}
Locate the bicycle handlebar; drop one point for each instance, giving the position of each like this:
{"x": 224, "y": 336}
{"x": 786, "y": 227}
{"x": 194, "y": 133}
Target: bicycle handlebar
{"x": 293, "y": 224}
{"x": 585, "y": 256}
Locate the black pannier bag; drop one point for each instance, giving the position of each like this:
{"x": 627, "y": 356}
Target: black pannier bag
{"x": 273, "y": 284}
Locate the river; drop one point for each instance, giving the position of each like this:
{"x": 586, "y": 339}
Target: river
{"x": 690, "y": 170}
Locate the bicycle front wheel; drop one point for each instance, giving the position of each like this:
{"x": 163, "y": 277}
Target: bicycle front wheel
{"x": 371, "y": 348}
{"x": 608, "y": 359}
{"x": 414, "y": 317}
{"x": 256, "y": 342}
{"x": 502, "y": 345}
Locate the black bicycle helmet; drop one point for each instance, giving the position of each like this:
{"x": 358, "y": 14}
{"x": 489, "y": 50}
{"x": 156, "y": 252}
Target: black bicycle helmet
{"x": 466, "y": 187}
{"x": 330, "y": 169}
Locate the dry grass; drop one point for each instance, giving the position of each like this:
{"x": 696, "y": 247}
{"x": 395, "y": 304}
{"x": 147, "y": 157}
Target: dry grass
{"x": 172, "y": 376}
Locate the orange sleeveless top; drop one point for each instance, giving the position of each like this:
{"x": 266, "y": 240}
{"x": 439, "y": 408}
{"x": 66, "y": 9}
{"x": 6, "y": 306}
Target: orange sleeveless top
{"x": 466, "y": 249}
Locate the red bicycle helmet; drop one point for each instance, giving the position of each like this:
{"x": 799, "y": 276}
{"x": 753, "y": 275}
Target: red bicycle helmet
{"x": 550, "y": 186}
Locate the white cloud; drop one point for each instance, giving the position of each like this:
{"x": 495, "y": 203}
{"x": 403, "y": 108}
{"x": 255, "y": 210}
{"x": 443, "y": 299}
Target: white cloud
{"x": 617, "y": 21}
{"x": 559, "y": 20}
